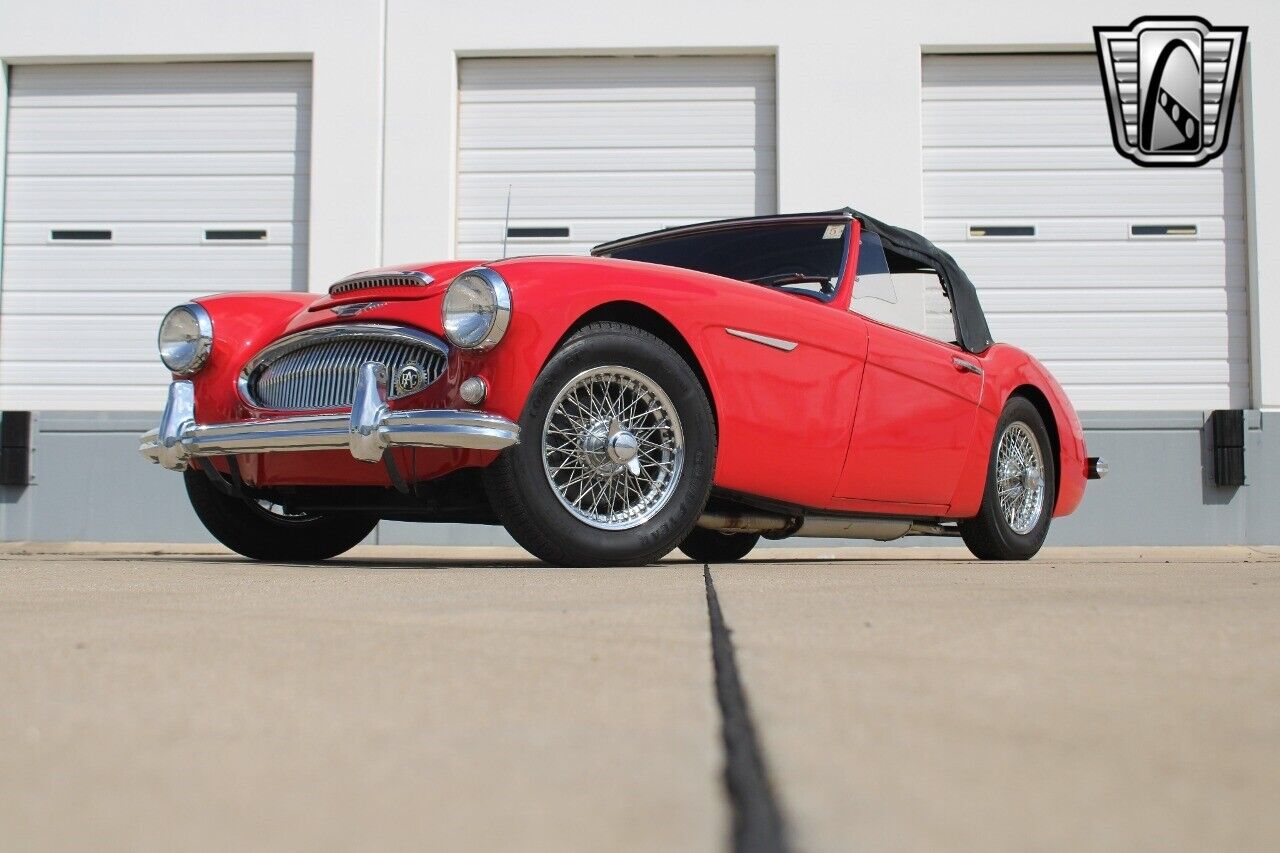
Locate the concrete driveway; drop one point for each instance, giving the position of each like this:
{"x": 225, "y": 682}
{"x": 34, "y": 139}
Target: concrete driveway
{"x": 858, "y": 699}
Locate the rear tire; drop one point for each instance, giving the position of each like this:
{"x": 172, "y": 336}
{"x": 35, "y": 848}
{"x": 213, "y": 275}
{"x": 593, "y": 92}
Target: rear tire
{"x": 616, "y": 454}
{"x": 261, "y": 533}
{"x": 1020, "y": 468}
{"x": 711, "y": 546}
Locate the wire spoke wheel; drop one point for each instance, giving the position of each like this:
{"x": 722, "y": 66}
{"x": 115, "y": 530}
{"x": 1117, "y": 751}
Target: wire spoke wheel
{"x": 1020, "y": 480}
{"x": 278, "y": 512}
{"x": 612, "y": 447}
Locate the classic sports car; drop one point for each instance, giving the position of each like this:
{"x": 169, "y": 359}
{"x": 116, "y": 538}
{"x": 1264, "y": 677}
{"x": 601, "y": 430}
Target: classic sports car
{"x": 697, "y": 387}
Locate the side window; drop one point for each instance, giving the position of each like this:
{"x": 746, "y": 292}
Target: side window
{"x": 895, "y": 290}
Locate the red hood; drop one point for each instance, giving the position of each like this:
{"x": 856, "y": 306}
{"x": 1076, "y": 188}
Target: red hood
{"x": 441, "y": 272}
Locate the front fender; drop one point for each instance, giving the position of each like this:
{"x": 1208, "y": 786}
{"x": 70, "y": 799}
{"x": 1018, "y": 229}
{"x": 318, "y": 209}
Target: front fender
{"x": 243, "y": 323}
{"x": 784, "y": 415}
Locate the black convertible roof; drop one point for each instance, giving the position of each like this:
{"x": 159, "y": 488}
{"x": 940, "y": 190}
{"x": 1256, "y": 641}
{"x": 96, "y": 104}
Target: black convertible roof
{"x": 971, "y": 323}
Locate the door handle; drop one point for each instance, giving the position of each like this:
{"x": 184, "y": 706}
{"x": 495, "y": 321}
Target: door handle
{"x": 965, "y": 364}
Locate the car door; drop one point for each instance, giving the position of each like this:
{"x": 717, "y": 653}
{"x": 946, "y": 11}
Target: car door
{"x": 786, "y": 371}
{"x": 918, "y": 400}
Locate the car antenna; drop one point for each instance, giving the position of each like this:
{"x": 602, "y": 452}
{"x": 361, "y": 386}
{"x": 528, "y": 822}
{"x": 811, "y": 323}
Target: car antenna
{"x": 506, "y": 223}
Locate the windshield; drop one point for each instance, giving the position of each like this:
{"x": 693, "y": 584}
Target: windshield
{"x": 797, "y": 257}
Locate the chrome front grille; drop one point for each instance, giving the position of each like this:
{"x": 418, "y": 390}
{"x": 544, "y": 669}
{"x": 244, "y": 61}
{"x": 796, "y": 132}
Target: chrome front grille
{"x": 317, "y": 369}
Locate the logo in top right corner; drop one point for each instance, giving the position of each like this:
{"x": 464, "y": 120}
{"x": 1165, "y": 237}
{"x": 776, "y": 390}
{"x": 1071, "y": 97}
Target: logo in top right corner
{"x": 1171, "y": 88}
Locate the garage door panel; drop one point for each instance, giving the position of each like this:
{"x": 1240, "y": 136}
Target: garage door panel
{"x": 570, "y": 196}
{"x": 584, "y": 229}
{"x": 1129, "y": 193}
{"x": 1081, "y": 229}
{"x": 138, "y": 303}
{"x": 484, "y": 250}
{"x": 656, "y": 159}
{"x": 1138, "y": 371}
{"x": 1125, "y": 321}
{"x": 1135, "y": 336}
{"x": 985, "y": 78}
{"x": 124, "y": 199}
{"x": 124, "y": 398}
{"x": 46, "y": 338}
{"x": 1099, "y": 263}
{"x": 1020, "y": 123}
{"x": 948, "y": 124}
{"x": 607, "y": 78}
{"x": 156, "y": 155}
{"x": 1052, "y": 158}
{"x": 96, "y": 164}
{"x": 1173, "y": 396}
{"x": 482, "y": 238}
{"x": 996, "y": 278}
{"x": 632, "y": 124}
{"x": 69, "y": 375}
{"x": 170, "y": 84}
{"x": 1043, "y": 296}
{"x": 610, "y": 146}
{"x": 107, "y": 269}
{"x": 134, "y": 129}
{"x": 279, "y": 233}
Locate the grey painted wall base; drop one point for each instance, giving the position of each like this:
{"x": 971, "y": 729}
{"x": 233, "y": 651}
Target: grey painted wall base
{"x": 91, "y": 485}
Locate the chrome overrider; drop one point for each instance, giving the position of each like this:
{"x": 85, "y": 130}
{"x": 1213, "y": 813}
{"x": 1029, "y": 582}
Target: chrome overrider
{"x": 368, "y": 431}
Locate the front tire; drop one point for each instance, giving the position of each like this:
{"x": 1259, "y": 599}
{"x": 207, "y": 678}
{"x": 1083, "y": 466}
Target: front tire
{"x": 617, "y": 451}
{"x": 1017, "y": 502}
{"x": 265, "y": 532}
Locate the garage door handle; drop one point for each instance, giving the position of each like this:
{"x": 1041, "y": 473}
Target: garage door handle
{"x": 964, "y": 364}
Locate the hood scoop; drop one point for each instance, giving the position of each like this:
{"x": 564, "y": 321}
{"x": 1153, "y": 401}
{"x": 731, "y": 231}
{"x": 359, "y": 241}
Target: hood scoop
{"x": 371, "y": 280}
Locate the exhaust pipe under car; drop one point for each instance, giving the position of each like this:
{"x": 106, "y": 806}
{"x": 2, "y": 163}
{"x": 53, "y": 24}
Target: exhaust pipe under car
{"x": 773, "y": 526}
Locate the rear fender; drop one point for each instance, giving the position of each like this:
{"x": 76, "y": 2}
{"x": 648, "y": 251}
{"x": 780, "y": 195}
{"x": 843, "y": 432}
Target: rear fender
{"x": 1008, "y": 369}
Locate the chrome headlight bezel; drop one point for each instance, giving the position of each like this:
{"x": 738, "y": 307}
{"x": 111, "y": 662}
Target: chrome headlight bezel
{"x": 492, "y": 310}
{"x": 186, "y": 354}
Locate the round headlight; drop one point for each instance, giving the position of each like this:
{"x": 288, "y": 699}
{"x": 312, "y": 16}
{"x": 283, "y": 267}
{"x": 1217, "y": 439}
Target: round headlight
{"x": 185, "y": 339}
{"x": 476, "y": 309}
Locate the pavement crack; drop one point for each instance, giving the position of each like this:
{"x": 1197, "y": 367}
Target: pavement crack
{"x": 757, "y": 819}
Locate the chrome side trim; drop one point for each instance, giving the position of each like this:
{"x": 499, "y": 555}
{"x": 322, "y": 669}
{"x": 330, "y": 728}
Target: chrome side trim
{"x": 366, "y": 433}
{"x": 366, "y": 280}
{"x": 776, "y": 343}
{"x": 324, "y": 334}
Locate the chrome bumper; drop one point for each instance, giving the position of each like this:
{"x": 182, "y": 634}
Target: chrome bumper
{"x": 369, "y": 430}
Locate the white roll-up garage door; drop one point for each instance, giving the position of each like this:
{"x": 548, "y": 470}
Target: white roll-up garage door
{"x": 131, "y": 188}
{"x": 594, "y": 148}
{"x": 1128, "y": 282}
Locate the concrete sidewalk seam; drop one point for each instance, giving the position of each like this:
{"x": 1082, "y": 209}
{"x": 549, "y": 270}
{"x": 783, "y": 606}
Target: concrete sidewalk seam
{"x": 757, "y": 818}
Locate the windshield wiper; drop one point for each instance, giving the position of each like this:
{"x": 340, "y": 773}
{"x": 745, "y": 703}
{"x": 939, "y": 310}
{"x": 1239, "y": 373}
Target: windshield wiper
{"x": 790, "y": 278}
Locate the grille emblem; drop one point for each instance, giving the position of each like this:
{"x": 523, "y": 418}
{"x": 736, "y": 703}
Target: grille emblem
{"x": 409, "y": 380}
{"x": 1170, "y": 85}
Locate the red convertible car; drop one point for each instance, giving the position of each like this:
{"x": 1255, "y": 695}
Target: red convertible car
{"x": 697, "y": 387}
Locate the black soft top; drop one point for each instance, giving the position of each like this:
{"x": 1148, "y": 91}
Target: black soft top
{"x": 971, "y": 323}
